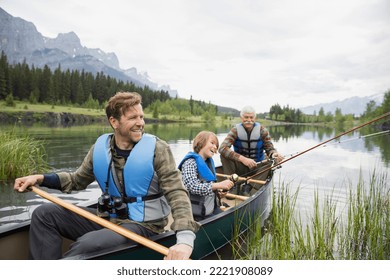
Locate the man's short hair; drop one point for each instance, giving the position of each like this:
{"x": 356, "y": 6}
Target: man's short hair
{"x": 121, "y": 102}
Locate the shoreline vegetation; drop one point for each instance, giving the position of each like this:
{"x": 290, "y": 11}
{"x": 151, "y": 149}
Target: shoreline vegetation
{"x": 361, "y": 231}
{"x": 60, "y": 115}
{"x": 20, "y": 155}
{"x": 28, "y": 114}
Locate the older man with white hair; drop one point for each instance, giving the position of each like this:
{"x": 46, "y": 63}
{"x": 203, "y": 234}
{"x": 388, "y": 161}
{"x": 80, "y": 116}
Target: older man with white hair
{"x": 250, "y": 141}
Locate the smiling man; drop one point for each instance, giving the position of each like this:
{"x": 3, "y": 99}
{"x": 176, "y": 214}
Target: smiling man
{"x": 140, "y": 184}
{"x": 250, "y": 140}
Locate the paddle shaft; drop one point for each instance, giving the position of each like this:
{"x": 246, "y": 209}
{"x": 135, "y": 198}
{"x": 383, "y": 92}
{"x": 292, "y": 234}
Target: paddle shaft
{"x": 104, "y": 223}
{"x": 322, "y": 143}
{"x": 240, "y": 197}
{"x": 242, "y": 179}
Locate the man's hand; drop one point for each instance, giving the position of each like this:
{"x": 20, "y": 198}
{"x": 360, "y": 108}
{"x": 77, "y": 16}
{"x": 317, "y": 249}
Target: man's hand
{"x": 278, "y": 157}
{"x": 21, "y": 184}
{"x": 248, "y": 162}
{"x": 179, "y": 252}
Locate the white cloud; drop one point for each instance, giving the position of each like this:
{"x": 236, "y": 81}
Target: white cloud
{"x": 235, "y": 52}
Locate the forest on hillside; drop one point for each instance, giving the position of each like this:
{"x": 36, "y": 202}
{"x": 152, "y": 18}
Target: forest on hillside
{"x": 79, "y": 88}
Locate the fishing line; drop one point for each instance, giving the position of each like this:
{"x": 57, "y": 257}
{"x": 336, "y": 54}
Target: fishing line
{"x": 359, "y": 137}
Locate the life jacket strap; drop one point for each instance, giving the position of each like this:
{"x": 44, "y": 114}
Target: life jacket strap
{"x": 131, "y": 199}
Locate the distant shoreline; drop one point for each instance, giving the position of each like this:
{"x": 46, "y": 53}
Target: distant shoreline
{"x": 58, "y": 119}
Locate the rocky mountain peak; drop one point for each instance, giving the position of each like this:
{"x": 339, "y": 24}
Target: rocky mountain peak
{"x": 18, "y": 38}
{"x": 68, "y": 42}
{"x": 21, "y": 41}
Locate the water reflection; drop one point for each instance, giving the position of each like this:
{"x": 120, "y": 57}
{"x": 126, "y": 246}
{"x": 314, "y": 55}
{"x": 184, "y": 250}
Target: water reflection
{"x": 284, "y": 132}
{"x": 176, "y": 132}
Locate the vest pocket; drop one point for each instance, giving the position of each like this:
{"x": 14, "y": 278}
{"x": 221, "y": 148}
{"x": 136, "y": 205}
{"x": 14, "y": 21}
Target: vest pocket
{"x": 202, "y": 205}
{"x": 156, "y": 209}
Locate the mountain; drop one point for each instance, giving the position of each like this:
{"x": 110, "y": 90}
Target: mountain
{"x": 353, "y": 105}
{"x": 21, "y": 41}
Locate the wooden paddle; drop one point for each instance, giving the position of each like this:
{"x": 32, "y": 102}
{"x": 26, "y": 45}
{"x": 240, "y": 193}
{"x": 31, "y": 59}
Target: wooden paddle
{"x": 104, "y": 223}
{"x": 242, "y": 179}
{"x": 235, "y": 196}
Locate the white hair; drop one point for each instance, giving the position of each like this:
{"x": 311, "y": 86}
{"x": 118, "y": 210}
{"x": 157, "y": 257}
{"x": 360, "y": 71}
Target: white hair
{"x": 247, "y": 110}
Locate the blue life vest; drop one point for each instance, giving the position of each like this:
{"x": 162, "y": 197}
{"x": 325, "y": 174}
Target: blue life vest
{"x": 202, "y": 205}
{"x": 249, "y": 145}
{"x": 203, "y": 168}
{"x": 142, "y": 193}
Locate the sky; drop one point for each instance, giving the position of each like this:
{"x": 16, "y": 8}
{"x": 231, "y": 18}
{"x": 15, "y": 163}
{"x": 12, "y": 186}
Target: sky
{"x": 234, "y": 53}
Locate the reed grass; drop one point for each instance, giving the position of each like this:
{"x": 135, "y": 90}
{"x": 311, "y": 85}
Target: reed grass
{"x": 360, "y": 232}
{"x": 20, "y": 156}
{"x": 366, "y": 234}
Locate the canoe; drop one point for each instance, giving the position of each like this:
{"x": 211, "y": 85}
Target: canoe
{"x": 215, "y": 232}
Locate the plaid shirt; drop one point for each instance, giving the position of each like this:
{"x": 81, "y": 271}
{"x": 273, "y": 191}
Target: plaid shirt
{"x": 191, "y": 179}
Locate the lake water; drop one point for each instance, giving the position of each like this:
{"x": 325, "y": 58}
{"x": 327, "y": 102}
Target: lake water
{"x": 330, "y": 169}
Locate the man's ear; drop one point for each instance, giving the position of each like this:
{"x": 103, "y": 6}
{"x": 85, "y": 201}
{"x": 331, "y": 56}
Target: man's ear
{"x": 113, "y": 122}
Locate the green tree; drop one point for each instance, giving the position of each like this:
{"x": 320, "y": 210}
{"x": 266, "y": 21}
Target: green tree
{"x": 79, "y": 94}
{"x": 321, "y": 115}
{"x": 66, "y": 91}
{"x": 385, "y": 107}
{"x": 191, "y": 105}
{"x": 329, "y": 117}
{"x": 275, "y": 111}
{"x": 57, "y": 85}
{"x": 3, "y": 83}
{"x": 339, "y": 116}
{"x": 155, "y": 112}
{"x": 9, "y": 101}
{"x": 208, "y": 117}
{"x": 34, "y": 95}
{"x": 91, "y": 103}
{"x": 45, "y": 87}
{"x": 4, "y": 76}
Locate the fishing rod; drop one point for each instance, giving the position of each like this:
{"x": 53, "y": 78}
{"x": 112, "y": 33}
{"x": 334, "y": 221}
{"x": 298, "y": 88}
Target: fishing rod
{"x": 349, "y": 140}
{"x": 322, "y": 143}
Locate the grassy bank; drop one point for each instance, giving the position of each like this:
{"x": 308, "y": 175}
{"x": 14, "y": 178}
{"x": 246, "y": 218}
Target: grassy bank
{"x": 361, "y": 233}
{"x": 21, "y": 107}
{"x": 20, "y": 156}
{"x": 42, "y": 108}
{"x": 24, "y": 107}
